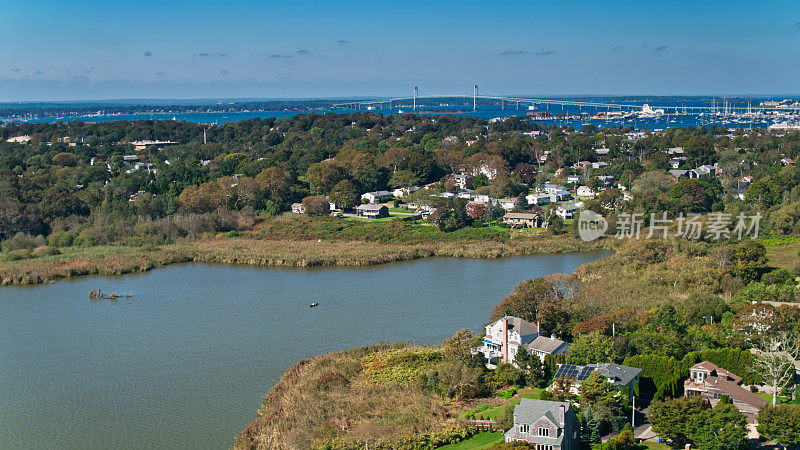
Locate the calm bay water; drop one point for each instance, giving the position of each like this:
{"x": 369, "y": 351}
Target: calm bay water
{"x": 187, "y": 359}
{"x": 483, "y": 112}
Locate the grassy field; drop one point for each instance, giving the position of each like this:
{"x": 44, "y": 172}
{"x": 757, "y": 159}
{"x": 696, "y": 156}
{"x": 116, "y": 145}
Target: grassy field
{"x": 494, "y": 412}
{"x": 784, "y": 256}
{"x": 295, "y": 242}
{"x": 481, "y": 440}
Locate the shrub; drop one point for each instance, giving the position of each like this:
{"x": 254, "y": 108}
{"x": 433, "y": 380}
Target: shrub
{"x": 17, "y": 255}
{"x": 22, "y": 241}
{"x": 45, "y": 251}
{"x": 507, "y": 394}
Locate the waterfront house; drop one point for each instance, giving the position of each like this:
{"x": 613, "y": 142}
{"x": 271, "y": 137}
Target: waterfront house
{"x": 504, "y": 337}
{"x": 567, "y": 211}
{"x": 522, "y": 220}
{"x": 712, "y": 382}
{"x": 372, "y": 211}
{"x": 546, "y": 424}
{"x": 298, "y": 208}
{"x": 376, "y": 196}
{"x": 619, "y": 376}
{"x": 543, "y": 346}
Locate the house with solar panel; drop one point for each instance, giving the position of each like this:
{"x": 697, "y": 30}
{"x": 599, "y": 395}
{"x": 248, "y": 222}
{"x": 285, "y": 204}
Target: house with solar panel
{"x": 545, "y": 424}
{"x": 504, "y": 337}
{"x": 619, "y": 376}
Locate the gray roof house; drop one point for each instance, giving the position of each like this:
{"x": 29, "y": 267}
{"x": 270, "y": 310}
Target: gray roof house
{"x": 619, "y": 376}
{"x": 548, "y": 425}
{"x": 543, "y": 345}
{"x": 372, "y": 211}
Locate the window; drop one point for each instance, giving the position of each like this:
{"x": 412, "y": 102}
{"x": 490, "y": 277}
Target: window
{"x": 524, "y": 428}
{"x": 545, "y": 432}
{"x": 544, "y": 447}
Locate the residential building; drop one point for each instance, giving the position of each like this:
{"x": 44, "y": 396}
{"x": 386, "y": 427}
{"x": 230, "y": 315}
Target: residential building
{"x": 522, "y": 220}
{"x": 24, "y": 139}
{"x": 602, "y": 151}
{"x": 546, "y": 424}
{"x": 600, "y": 165}
{"x": 567, "y": 211}
{"x": 677, "y": 162}
{"x": 713, "y": 382}
{"x": 141, "y": 145}
{"x": 376, "y": 196}
{"x": 619, "y": 376}
{"x": 372, "y": 211}
{"x": 504, "y": 337}
{"x": 463, "y": 181}
{"x": 298, "y": 208}
{"x": 543, "y": 346}
{"x": 678, "y": 173}
{"x": 606, "y": 180}
{"x": 585, "y": 192}
{"x": 507, "y": 203}
{"x": 538, "y": 199}
{"x": 575, "y": 179}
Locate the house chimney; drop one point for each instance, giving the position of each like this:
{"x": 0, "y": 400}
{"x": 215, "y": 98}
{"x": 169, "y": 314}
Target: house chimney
{"x": 505, "y": 339}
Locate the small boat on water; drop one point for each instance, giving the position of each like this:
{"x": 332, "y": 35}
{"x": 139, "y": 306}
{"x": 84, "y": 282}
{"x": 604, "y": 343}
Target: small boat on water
{"x": 313, "y": 305}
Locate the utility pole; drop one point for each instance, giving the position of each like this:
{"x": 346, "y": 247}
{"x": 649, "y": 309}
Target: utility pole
{"x": 633, "y": 412}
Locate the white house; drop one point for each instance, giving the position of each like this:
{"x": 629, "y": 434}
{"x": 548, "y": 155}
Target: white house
{"x": 504, "y": 337}
{"x": 298, "y": 208}
{"x": 600, "y": 165}
{"x": 376, "y": 196}
{"x": 462, "y": 180}
{"x": 543, "y": 346}
{"x": 567, "y": 211}
{"x": 538, "y": 199}
{"x": 585, "y": 192}
{"x": 507, "y": 203}
{"x": 575, "y": 179}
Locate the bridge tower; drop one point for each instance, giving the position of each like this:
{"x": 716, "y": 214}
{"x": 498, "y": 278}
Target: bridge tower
{"x": 475, "y": 97}
{"x": 415, "y": 98}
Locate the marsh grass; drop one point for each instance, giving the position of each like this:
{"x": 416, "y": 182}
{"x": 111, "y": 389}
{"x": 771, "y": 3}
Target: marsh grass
{"x": 294, "y": 242}
{"x": 301, "y": 412}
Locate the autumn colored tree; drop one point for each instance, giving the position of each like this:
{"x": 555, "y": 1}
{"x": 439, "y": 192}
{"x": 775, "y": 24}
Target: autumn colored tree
{"x": 275, "y": 182}
{"x": 316, "y": 205}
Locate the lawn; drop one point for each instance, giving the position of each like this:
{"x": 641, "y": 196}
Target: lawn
{"x": 401, "y": 211}
{"x": 781, "y": 398}
{"x": 783, "y": 256}
{"x": 483, "y": 439}
{"x": 497, "y": 411}
{"x": 657, "y": 445}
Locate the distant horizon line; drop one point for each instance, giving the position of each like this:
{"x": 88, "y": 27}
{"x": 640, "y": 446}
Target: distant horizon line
{"x": 209, "y": 100}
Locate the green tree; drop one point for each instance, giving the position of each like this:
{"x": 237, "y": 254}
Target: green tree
{"x": 345, "y": 195}
{"x": 591, "y": 348}
{"x": 780, "y": 424}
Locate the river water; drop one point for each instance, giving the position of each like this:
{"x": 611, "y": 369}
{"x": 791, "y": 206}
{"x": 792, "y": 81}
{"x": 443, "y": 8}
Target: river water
{"x": 187, "y": 359}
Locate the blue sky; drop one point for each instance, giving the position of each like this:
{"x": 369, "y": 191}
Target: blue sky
{"x": 56, "y": 50}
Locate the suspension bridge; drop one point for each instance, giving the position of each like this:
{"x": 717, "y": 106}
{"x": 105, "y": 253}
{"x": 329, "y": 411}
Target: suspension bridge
{"x": 415, "y": 101}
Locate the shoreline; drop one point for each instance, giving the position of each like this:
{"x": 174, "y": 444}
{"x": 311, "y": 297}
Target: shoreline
{"x": 121, "y": 260}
